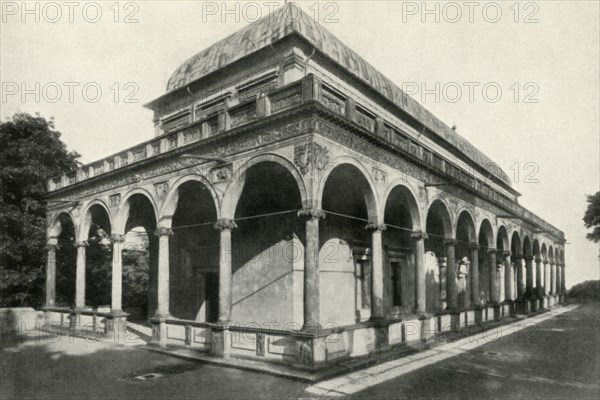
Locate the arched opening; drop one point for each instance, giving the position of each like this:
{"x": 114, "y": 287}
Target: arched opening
{"x": 399, "y": 275}
{"x": 465, "y": 235}
{"x": 66, "y": 259}
{"x": 140, "y": 259}
{"x": 194, "y": 255}
{"x": 439, "y": 228}
{"x": 518, "y": 284}
{"x": 267, "y": 263}
{"x": 345, "y": 246}
{"x": 98, "y": 258}
{"x": 486, "y": 241}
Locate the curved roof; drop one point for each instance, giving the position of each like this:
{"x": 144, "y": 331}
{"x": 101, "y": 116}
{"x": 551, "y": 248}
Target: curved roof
{"x": 290, "y": 19}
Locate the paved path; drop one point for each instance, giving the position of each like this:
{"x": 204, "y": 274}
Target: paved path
{"x": 556, "y": 358}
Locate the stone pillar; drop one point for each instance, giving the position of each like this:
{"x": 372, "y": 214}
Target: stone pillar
{"x": 492, "y": 275}
{"x": 312, "y": 298}
{"x": 508, "y": 276}
{"x": 562, "y": 281}
{"x": 117, "y": 273}
{"x": 518, "y": 261}
{"x": 538, "y": 276}
{"x": 528, "y": 276}
{"x": 225, "y": 273}
{"x": 474, "y": 271}
{"x": 162, "y": 309}
{"x": 546, "y": 278}
{"x": 552, "y": 279}
{"x": 80, "y": 275}
{"x": 52, "y": 246}
{"x": 377, "y": 311}
{"x": 558, "y": 274}
{"x": 451, "y": 288}
{"x": 420, "y": 287}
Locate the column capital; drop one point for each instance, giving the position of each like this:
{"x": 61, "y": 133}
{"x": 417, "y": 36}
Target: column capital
{"x": 117, "y": 238}
{"x": 419, "y": 235}
{"x": 163, "y": 231}
{"x": 84, "y": 243}
{"x": 450, "y": 242}
{"x": 538, "y": 260}
{"x": 517, "y": 256}
{"x": 52, "y": 243}
{"x": 373, "y": 226}
{"x": 224, "y": 224}
{"x": 473, "y": 246}
{"x": 506, "y": 253}
{"x": 546, "y": 262}
{"x": 311, "y": 213}
{"x": 492, "y": 250}
{"x": 528, "y": 258}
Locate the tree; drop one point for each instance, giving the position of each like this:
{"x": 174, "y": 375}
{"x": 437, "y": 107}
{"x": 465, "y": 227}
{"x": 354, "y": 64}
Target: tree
{"x": 30, "y": 153}
{"x": 591, "y": 219}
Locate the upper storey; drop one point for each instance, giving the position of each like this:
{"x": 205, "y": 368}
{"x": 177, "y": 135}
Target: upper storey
{"x": 290, "y": 20}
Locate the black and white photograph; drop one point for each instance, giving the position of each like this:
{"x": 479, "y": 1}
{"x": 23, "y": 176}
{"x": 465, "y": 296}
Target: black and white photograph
{"x": 302, "y": 200}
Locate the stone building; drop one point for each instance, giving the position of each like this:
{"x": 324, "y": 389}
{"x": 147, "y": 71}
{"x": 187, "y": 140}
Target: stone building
{"x": 300, "y": 208}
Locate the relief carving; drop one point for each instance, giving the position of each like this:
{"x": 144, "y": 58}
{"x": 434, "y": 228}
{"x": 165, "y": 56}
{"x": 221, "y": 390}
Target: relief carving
{"x": 311, "y": 155}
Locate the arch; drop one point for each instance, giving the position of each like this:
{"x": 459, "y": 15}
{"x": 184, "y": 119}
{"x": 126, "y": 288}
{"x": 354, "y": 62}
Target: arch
{"x": 373, "y": 204}
{"x": 86, "y": 218}
{"x": 556, "y": 255}
{"x": 515, "y": 244}
{"x": 551, "y": 254}
{"x": 56, "y": 226}
{"x": 439, "y": 209}
{"x": 123, "y": 210}
{"x": 544, "y": 253}
{"x": 486, "y": 233}
{"x": 400, "y": 187}
{"x": 169, "y": 205}
{"x": 236, "y": 186}
{"x": 465, "y": 224}
{"x": 527, "y": 249}
{"x": 536, "y": 250}
{"x": 502, "y": 239}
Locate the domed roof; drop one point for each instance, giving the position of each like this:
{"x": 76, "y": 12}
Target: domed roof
{"x": 290, "y": 19}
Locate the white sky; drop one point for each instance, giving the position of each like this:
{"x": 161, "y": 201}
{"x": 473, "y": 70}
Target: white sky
{"x": 558, "y": 54}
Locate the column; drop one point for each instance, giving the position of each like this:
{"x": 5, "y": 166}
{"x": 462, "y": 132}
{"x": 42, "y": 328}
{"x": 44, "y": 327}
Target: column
{"x": 117, "y": 273}
{"x": 377, "y": 311}
{"x": 162, "y": 310}
{"x": 508, "y": 276}
{"x": 80, "y": 275}
{"x": 225, "y": 274}
{"x": 312, "y": 298}
{"x": 546, "y": 278}
{"x": 552, "y": 279}
{"x": 474, "y": 271}
{"x": 562, "y": 281}
{"x": 518, "y": 261}
{"x": 51, "y": 247}
{"x": 528, "y": 276}
{"x": 451, "y": 289}
{"x": 493, "y": 274}
{"x": 420, "y": 287}
{"x": 538, "y": 276}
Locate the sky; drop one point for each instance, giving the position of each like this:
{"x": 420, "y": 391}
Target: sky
{"x": 521, "y": 81}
